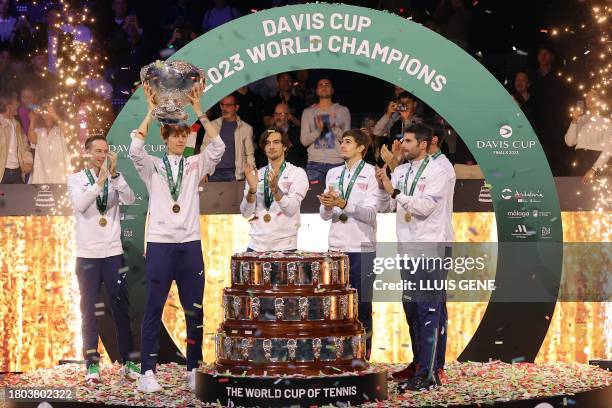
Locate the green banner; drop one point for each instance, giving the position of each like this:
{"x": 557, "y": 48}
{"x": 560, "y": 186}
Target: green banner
{"x": 385, "y": 46}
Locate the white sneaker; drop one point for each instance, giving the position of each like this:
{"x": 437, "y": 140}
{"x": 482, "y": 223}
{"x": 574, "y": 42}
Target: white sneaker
{"x": 148, "y": 382}
{"x": 191, "y": 375}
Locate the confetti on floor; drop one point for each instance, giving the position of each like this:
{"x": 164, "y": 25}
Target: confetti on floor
{"x": 467, "y": 383}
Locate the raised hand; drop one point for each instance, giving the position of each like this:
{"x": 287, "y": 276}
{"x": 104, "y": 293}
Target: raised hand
{"x": 250, "y": 173}
{"x": 386, "y": 154}
{"x": 103, "y": 176}
{"x": 112, "y": 156}
{"x": 273, "y": 181}
{"x": 327, "y": 201}
{"x": 195, "y": 97}
{"x": 391, "y": 108}
{"x": 150, "y": 96}
{"x": 319, "y": 123}
{"x": 379, "y": 176}
{"x": 385, "y": 180}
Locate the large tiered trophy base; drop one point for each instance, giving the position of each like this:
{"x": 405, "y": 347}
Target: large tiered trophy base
{"x": 290, "y": 335}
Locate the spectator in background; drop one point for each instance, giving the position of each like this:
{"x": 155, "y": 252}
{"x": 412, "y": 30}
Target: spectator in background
{"x": 127, "y": 51}
{"x": 252, "y": 111}
{"x": 54, "y": 35}
{"x": 27, "y": 102}
{"x": 50, "y": 138}
{"x": 182, "y": 33}
{"x": 238, "y": 138}
{"x": 297, "y": 154}
{"x": 37, "y": 76}
{"x": 285, "y": 95}
{"x": 120, "y": 13}
{"x": 302, "y": 88}
{"x": 15, "y": 156}
{"x": 220, "y": 14}
{"x": 373, "y": 153}
{"x": 49, "y": 37}
{"x": 79, "y": 32}
{"x": 405, "y": 107}
{"x": 8, "y": 21}
{"x": 186, "y": 10}
{"x": 322, "y": 126}
{"x": 8, "y": 76}
{"x": 522, "y": 92}
{"x": 550, "y": 104}
{"x": 590, "y": 133}
{"x": 382, "y": 127}
{"x": 15, "y": 31}
{"x": 125, "y": 28}
{"x": 453, "y": 17}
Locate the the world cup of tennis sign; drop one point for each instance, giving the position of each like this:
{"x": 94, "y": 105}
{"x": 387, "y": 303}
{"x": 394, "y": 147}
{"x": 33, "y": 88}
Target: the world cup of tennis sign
{"x": 444, "y": 76}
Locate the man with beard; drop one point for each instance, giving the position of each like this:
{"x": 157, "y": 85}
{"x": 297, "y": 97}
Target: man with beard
{"x": 273, "y": 195}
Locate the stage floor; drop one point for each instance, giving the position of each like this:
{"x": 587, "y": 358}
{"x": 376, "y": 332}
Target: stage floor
{"x": 467, "y": 384}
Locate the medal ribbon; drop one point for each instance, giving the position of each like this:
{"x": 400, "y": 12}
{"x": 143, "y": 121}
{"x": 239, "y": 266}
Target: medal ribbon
{"x": 175, "y": 188}
{"x": 416, "y": 177}
{"x": 345, "y": 196}
{"x": 267, "y": 192}
{"x": 101, "y": 202}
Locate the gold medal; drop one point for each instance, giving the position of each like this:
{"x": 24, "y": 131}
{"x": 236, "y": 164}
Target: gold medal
{"x": 267, "y": 217}
{"x": 343, "y": 217}
{"x": 102, "y": 222}
{"x": 407, "y": 217}
{"x": 176, "y": 208}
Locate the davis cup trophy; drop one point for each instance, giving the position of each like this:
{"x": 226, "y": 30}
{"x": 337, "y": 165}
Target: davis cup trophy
{"x": 171, "y": 81}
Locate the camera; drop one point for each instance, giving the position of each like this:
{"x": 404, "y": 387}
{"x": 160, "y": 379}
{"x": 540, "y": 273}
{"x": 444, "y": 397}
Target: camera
{"x": 402, "y": 107}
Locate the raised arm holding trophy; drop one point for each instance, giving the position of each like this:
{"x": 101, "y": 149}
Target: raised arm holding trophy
{"x": 174, "y": 250}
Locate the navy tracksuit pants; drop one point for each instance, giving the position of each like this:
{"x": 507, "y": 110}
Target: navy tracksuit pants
{"x": 91, "y": 272}
{"x": 164, "y": 263}
{"x": 426, "y": 315}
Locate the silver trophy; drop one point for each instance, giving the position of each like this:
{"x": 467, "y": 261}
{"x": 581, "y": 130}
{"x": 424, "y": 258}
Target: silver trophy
{"x": 171, "y": 82}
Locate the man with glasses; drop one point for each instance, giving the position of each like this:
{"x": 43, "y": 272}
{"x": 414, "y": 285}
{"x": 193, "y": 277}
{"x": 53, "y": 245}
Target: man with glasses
{"x": 285, "y": 95}
{"x": 298, "y": 154}
{"x": 238, "y": 138}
